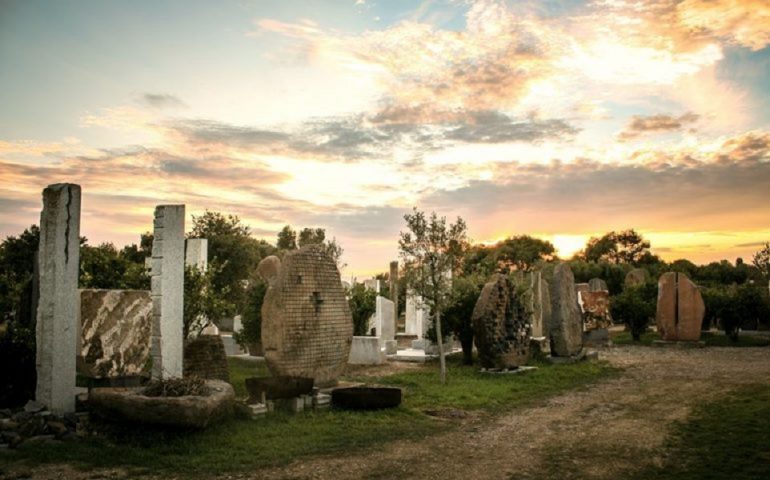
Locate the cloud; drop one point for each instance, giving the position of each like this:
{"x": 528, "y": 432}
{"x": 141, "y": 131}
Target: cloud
{"x": 162, "y": 100}
{"x": 660, "y": 123}
{"x": 751, "y": 244}
{"x": 743, "y": 22}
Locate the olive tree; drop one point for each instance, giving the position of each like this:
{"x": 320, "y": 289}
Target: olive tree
{"x": 431, "y": 250}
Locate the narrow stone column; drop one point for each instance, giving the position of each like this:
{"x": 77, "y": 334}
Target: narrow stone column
{"x": 58, "y": 302}
{"x": 197, "y": 253}
{"x": 167, "y": 291}
{"x": 394, "y": 292}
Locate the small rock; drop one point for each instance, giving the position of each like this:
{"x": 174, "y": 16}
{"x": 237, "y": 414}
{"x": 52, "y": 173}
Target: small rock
{"x": 11, "y": 438}
{"x": 57, "y": 428}
{"x": 8, "y": 424}
{"x": 33, "y": 407}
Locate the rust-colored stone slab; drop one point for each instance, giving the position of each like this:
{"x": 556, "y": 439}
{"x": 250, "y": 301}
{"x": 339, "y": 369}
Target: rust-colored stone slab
{"x": 307, "y": 328}
{"x": 665, "y": 315}
{"x": 596, "y": 309}
{"x": 680, "y": 308}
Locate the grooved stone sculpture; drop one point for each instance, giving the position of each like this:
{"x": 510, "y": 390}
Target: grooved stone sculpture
{"x": 680, "y": 311}
{"x": 597, "y": 285}
{"x": 566, "y": 327}
{"x": 636, "y": 277}
{"x": 57, "y": 311}
{"x": 306, "y": 323}
{"x": 115, "y": 328}
{"x": 167, "y": 280}
{"x": 596, "y": 309}
{"x": 500, "y": 326}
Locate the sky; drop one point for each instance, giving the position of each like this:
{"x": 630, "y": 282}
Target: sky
{"x": 558, "y": 119}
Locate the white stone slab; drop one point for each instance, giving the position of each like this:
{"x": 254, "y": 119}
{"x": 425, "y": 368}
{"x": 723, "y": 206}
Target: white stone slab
{"x": 385, "y": 320}
{"x": 365, "y": 351}
{"x": 197, "y": 253}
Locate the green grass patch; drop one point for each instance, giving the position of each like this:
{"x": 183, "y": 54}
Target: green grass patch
{"x": 725, "y": 439}
{"x": 710, "y": 338}
{"x": 245, "y": 445}
{"x": 241, "y": 369}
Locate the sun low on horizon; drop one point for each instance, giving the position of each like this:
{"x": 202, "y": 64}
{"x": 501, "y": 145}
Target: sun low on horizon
{"x": 558, "y": 119}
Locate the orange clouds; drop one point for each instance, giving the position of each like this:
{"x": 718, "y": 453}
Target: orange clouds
{"x": 745, "y": 22}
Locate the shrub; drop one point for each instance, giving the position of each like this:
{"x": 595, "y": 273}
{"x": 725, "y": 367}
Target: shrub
{"x": 635, "y": 308}
{"x": 252, "y": 315}
{"x": 17, "y": 357}
{"x": 457, "y": 316}
{"x": 363, "y": 304}
{"x": 736, "y": 307}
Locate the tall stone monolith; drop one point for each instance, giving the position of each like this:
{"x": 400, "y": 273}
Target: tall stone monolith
{"x": 384, "y": 321}
{"x": 168, "y": 257}
{"x": 58, "y": 301}
{"x": 680, "y": 310}
{"x": 196, "y": 253}
{"x": 394, "y": 290}
{"x": 566, "y": 326}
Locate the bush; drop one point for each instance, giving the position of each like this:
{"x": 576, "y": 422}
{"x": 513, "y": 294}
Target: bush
{"x": 363, "y": 304}
{"x": 17, "y": 357}
{"x": 736, "y": 307}
{"x": 252, "y": 315}
{"x": 635, "y": 308}
{"x": 457, "y": 317}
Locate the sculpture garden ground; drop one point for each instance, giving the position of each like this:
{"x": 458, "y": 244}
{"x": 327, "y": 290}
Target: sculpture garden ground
{"x": 675, "y": 413}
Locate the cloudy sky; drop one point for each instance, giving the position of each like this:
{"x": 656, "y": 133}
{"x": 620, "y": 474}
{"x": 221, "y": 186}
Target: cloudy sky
{"x": 560, "y": 119}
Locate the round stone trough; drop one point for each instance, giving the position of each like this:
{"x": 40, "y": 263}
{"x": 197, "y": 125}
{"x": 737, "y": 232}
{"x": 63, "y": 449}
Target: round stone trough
{"x": 366, "y": 398}
{"x": 130, "y": 405}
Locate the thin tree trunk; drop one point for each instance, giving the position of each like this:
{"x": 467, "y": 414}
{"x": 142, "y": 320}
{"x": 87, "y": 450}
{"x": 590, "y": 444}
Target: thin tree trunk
{"x": 440, "y": 338}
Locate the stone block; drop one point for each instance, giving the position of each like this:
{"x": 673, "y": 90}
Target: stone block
{"x": 57, "y": 310}
{"x": 205, "y": 357}
{"x": 385, "y": 321}
{"x": 197, "y": 253}
{"x": 566, "y": 328}
{"x": 391, "y": 347}
{"x": 365, "y": 351}
{"x": 680, "y": 309}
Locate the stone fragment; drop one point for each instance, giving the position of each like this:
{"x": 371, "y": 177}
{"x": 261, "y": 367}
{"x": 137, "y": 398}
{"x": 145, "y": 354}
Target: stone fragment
{"x": 115, "y": 331}
{"x": 167, "y": 278}
{"x": 582, "y": 287}
{"x": 205, "y": 357}
{"x": 540, "y": 305}
{"x": 597, "y": 285}
{"x": 566, "y": 327}
{"x": 636, "y": 277}
{"x": 393, "y": 279}
{"x": 197, "y": 253}
{"x": 416, "y": 316}
{"x": 500, "y": 326}
{"x": 57, "y": 310}
{"x": 366, "y": 351}
{"x": 307, "y": 327}
{"x": 680, "y": 310}
{"x": 596, "y": 309}
{"x": 385, "y": 321}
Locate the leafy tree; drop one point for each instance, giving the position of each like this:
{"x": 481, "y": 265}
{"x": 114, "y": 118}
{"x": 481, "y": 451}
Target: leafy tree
{"x": 311, "y": 236}
{"x": 431, "y": 250}
{"x": 761, "y": 260}
{"x": 465, "y": 293}
{"x": 522, "y": 252}
{"x": 627, "y": 246}
{"x": 18, "y": 255}
{"x": 201, "y": 300}
{"x": 287, "y": 239}
{"x": 635, "y": 308}
{"x": 362, "y": 303}
{"x": 251, "y": 317}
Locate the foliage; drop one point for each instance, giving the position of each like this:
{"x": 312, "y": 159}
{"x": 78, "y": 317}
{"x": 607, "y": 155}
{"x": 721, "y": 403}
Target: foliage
{"x": 465, "y": 293}
{"x": 362, "y": 303}
{"x": 176, "y": 387}
{"x": 761, "y": 260}
{"x": 252, "y": 315}
{"x": 635, "y": 307}
{"x": 104, "y": 266}
{"x": 202, "y": 301}
{"x": 17, "y": 356}
{"x": 432, "y": 251}
{"x": 613, "y": 274}
{"x": 627, "y": 246}
{"x": 736, "y": 307}
{"x": 724, "y": 438}
{"x": 287, "y": 240}
{"x": 232, "y": 247}
{"x": 522, "y": 252}
{"x": 17, "y": 263}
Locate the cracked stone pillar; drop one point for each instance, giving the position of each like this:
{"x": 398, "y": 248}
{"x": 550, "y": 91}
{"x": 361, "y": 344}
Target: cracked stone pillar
{"x": 58, "y": 301}
{"x": 168, "y": 257}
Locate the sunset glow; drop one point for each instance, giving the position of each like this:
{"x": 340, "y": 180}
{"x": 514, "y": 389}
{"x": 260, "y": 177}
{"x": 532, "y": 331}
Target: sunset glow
{"x": 562, "y": 120}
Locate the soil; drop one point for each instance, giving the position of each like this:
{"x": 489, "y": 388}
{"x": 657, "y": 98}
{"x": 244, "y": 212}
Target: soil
{"x": 606, "y": 431}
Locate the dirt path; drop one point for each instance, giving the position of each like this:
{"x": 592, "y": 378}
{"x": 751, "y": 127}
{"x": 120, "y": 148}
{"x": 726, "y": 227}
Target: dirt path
{"x": 601, "y": 432}
{"x": 604, "y": 431}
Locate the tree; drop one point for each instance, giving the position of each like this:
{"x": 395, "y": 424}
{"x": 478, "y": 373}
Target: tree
{"x": 431, "y": 251}
{"x": 627, "y": 246}
{"x": 522, "y": 252}
{"x": 17, "y": 262}
{"x": 465, "y": 293}
{"x": 201, "y": 300}
{"x": 363, "y": 304}
{"x": 635, "y": 308}
{"x": 761, "y": 260}
{"x": 311, "y": 236}
{"x": 287, "y": 239}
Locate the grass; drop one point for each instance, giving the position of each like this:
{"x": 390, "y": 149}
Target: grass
{"x": 245, "y": 445}
{"x": 723, "y": 439}
{"x": 710, "y": 338}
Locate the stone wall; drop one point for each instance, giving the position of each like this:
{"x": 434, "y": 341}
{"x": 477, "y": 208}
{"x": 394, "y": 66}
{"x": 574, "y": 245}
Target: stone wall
{"x": 115, "y": 328}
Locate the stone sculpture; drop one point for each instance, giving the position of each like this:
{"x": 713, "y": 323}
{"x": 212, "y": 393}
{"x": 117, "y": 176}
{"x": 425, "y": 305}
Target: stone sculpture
{"x": 566, "y": 326}
{"x": 501, "y": 327}
{"x": 680, "y": 311}
{"x": 307, "y": 327}
{"x": 636, "y": 277}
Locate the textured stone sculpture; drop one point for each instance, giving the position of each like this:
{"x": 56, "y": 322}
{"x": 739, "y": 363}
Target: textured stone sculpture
{"x": 306, "y": 323}
{"x": 596, "y": 309}
{"x": 500, "y": 326}
{"x": 597, "y": 285}
{"x": 57, "y": 310}
{"x": 566, "y": 327}
{"x": 205, "y": 357}
{"x": 680, "y": 311}
{"x": 636, "y": 277}
{"x": 115, "y": 327}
